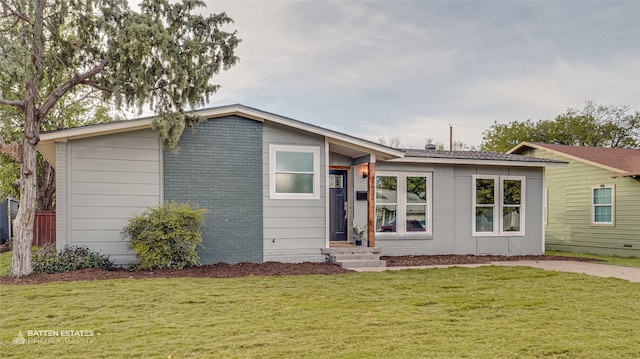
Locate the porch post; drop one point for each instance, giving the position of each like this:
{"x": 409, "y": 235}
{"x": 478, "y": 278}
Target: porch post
{"x": 371, "y": 205}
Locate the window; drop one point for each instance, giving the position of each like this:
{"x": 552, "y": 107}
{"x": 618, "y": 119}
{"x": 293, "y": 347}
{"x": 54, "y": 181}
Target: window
{"x": 602, "y": 205}
{"x": 403, "y": 203}
{"x": 294, "y": 172}
{"x": 498, "y": 205}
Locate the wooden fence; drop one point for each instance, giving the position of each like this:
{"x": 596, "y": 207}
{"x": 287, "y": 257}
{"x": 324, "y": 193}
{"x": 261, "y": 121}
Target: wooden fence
{"x": 44, "y": 228}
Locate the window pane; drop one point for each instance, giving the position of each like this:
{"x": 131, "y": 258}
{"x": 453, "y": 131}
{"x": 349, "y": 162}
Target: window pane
{"x": 512, "y": 191}
{"x": 602, "y": 214}
{"x": 294, "y": 183}
{"x": 485, "y": 191}
{"x": 416, "y": 218}
{"x": 386, "y": 218}
{"x": 386, "y": 189}
{"x": 511, "y": 219}
{"x": 416, "y": 190}
{"x": 602, "y": 196}
{"x": 294, "y": 161}
{"x": 484, "y": 219}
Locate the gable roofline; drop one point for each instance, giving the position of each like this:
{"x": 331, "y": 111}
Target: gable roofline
{"x": 48, "y": 139}
{"x": 545, "y": 147}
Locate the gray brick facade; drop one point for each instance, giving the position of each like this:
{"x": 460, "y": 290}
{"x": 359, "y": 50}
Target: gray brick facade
{"x": 219, "y": 167}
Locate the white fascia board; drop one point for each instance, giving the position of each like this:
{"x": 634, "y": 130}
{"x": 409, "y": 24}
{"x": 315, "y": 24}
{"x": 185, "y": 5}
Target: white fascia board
{"x": 97, "y": 130}
{"x": 458, "y": 161}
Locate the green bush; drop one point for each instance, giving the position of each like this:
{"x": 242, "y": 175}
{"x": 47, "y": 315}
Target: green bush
{"x": 166, "y": 236}
{"x": 47, "y": 260}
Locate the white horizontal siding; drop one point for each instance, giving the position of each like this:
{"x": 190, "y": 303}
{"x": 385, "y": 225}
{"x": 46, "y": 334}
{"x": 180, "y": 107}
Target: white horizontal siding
{"x": 109, "y": 179}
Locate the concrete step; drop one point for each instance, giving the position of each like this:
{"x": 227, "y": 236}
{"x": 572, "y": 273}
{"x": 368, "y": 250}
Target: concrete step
{"x": 351, "y": 264}
{"x": 353, "y": 256}
{"x": 347, "y": 250}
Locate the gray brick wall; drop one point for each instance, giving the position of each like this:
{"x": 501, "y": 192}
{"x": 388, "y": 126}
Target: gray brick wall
{"x": 219, "y": 167}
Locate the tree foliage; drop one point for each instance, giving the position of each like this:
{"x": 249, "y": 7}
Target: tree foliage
{"x": 70, "y": 111}
{"x": 594, "y": 125}
{"x": 163, "y": 55}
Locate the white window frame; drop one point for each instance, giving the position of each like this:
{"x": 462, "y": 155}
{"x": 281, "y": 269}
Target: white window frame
{"x": 401, "y": 205}
{"x": 613, "y": 205}
{"x": 315, "y": 151}
{"x": 498, "y": 206}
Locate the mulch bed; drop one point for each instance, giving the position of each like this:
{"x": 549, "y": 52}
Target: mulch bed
{"x": 223, "y": 270}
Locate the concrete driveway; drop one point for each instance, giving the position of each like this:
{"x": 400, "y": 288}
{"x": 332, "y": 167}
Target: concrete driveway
{"x": 598, "y": 270}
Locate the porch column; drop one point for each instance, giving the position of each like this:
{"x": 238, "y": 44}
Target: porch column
{"x": 371, "y": 205}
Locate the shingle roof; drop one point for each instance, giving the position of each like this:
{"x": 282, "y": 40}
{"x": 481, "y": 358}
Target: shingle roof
{"x": 473, "y": 155}
{"x": 623, "y": 160}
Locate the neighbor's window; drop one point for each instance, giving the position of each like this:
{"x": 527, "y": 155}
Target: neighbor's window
{"x": 602, "y": 205}
{"x": 294, "y": 172}
{"x": 403, "y": 203}
{"x": 498, "y": 205}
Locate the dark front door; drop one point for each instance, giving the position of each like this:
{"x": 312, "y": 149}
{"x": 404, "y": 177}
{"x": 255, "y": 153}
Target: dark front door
{"x": 338, "y": 205}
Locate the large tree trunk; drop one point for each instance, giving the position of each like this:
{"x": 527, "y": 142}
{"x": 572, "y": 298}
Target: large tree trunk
{"x": 21, "y": 262}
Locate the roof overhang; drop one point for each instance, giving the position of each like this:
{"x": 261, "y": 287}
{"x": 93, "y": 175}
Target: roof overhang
{"x": 343, "y": 143}
{"x": 460, "y": 161}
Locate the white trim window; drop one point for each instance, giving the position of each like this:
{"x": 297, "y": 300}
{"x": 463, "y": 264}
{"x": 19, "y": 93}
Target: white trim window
{"x": 403, "y": 204}
{"x": 603, "y": 205}
{"x": 498, "y": 205}
{"x": 294, "y": 172}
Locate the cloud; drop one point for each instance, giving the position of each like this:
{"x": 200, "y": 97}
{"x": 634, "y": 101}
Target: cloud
{"x": 409, "y": 69}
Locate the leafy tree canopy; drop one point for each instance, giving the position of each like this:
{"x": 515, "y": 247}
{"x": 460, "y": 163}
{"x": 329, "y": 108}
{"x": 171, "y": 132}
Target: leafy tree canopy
{"x": 163, "y": 55}
{"x": 594, "y": 125}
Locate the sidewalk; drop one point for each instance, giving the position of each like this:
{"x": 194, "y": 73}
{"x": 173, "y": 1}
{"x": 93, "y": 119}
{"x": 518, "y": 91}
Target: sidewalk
{"x": 597, "y": 270}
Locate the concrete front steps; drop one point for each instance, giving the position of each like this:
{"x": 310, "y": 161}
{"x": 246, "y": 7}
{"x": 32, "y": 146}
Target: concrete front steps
{"x": 355, "y": 257}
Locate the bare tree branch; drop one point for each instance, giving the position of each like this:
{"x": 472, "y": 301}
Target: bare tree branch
{"x": 15, "y": 12}
{"x": 15, "y": 103}
{"x": 56, "y": 94}
{"x": 95, "y": 84}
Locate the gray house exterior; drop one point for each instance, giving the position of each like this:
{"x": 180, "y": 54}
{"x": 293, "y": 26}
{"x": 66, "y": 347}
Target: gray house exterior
{"x": 278, "y": 189}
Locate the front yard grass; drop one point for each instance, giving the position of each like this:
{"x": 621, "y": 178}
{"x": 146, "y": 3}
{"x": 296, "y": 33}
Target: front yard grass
{"x": 486, "y": 312}
{"x": 5, "y": 263}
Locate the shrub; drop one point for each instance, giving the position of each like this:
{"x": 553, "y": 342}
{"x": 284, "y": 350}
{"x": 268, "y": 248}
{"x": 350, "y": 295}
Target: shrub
{"x": 47, "y": 260}
{"x": 166, "y": 236}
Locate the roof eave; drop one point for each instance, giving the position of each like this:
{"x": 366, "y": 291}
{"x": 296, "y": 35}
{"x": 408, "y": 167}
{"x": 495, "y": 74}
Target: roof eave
{"x": 459, "y": 161}
{"x": 47, "y": 140}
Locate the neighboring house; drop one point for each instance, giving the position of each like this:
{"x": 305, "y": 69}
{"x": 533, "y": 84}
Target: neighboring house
{"x": 278, "y": 189}
{"x": 8, "y": 212}
{"x": 594, "y": 203}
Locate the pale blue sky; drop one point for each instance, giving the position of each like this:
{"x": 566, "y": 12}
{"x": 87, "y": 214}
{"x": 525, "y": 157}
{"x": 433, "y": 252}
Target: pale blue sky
{"x": 410, "y": 68}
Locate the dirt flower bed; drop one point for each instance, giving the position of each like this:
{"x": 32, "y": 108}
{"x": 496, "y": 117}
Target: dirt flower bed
{"x": 223, "y": 270}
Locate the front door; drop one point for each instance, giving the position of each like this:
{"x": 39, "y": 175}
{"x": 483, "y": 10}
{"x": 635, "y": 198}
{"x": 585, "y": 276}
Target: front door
{"x": 338, "y": 205}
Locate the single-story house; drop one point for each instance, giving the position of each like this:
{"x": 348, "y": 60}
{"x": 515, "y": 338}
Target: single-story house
{"x": 278, "y": 189}
{"x": 594, "y": 203}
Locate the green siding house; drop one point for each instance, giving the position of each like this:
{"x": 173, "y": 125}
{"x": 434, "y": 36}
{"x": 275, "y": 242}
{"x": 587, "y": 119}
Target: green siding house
{"x": 593, "y": 204}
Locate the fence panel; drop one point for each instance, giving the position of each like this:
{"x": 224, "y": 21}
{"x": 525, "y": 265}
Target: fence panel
{"x": 44, "y": 228}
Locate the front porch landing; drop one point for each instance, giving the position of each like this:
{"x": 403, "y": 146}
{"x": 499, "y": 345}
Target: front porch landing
{"x": 349, "y": 256}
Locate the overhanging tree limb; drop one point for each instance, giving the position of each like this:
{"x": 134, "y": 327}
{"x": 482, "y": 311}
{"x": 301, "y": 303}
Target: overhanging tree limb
{"x": 56, "y": 94}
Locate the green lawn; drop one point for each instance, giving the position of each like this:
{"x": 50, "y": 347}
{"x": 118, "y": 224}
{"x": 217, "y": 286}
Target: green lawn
{"x": 5, "y": 263}
{"x": 486, "y": 312}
